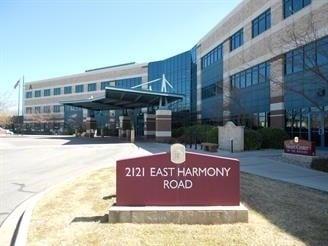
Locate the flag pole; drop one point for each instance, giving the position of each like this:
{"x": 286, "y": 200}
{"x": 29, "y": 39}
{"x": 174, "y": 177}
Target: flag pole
{"x": 19, "y": 89}
{"x": 23, "y": 96}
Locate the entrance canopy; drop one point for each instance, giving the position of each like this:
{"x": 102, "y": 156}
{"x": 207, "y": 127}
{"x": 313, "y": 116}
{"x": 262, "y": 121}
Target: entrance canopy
{"x": 118, "y": 98}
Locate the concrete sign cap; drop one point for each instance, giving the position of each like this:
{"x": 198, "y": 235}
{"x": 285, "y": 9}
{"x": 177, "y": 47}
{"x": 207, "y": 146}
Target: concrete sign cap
{"x": 178, "y": 153}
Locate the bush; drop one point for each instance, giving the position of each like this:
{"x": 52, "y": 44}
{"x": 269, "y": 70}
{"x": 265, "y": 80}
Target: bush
{"x": 273, "y": 137}
{"x": 178, "y": 132}
{"x": 252, "y": 139}
{"x": 203, "y": 133}
{"x": 320, "y": 164}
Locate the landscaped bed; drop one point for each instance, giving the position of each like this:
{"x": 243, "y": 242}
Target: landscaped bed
{"x": 279, "y": 214}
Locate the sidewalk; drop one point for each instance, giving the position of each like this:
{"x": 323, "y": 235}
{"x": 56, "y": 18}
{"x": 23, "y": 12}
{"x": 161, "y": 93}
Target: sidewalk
{"x": 265, "y": 163}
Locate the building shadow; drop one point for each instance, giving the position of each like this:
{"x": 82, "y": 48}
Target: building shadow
{"x": 100, "y": 219}
{"x": 109, "y": 197}
{"x": 71, "y": 140}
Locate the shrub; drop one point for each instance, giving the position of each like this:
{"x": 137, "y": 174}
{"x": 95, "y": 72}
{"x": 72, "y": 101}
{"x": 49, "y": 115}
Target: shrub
{"x": 252, "y": 139}
{"x": 203, "y": 133}
{"x": 178, "y": 132}
{"x": 320, "y": 163}
{"x": 273, "y": 137}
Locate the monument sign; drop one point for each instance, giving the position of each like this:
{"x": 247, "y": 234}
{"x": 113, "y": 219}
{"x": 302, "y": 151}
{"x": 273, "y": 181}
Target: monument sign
{"x": 299, "y": 147}
{"x": 178, "y": 187}
{"x": 199, "y": 180}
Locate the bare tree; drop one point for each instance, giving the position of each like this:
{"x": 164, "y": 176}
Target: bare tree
{"x": 308, "y": 57}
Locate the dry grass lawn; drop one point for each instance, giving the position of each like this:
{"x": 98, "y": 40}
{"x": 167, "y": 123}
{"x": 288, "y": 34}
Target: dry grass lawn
{"x": 279, "y": 214}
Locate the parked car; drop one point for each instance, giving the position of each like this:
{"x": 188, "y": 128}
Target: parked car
{"x": 5, "y": 132}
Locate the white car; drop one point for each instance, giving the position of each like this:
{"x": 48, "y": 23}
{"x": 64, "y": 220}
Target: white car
{"x": 5, "y": 132}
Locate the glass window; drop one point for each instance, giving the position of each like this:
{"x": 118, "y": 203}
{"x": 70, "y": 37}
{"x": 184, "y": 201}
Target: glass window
{"x": 92, "y": 87}
{"x": 57, "y": 91}
{"x": 237, "y": 80}
{"x": 322, "y": 51}
{"x": 37, "y": 110}
{"x": 298, "y": 60}
{"x": 262, "y": 119}
{"x": 268, "y": 19}
{"x": 56, "y": 108}
{"x": 261, "y": 23}
{"x": 46, "y": 92}
{"x": 292, "y": 6}
{"x": 37, "y": 93}
{"x": 212, "y": 57}
{"x": 67, "y": 89}
{"x": 28, "y": 94}
{"x": 104, "y": 84}
{"x": 79, "y": 88}
{"x": 28, "y": 110}
{"x": 242, "y": 80}
{"x": 309, "y": 56}
{"x": 248, "y": 77}
{"x": 262, "y": 73}
{"x": 255, "y": 28}
{"x": 297, "y": 5}
{"x": 46, "y": 109}
{"x": 236, "y": 40}
{"x": 255, "y": 75}
{"x": 289, "y": 63}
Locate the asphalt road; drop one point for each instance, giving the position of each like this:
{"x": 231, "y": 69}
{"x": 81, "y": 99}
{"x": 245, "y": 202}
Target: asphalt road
{"x": 31, "y": 164}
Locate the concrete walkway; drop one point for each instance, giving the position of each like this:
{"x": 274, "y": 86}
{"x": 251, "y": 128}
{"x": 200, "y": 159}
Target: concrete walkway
{"x": 266, "y": 163}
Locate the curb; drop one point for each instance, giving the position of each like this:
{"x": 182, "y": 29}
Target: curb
{"x": 11, "y": 228}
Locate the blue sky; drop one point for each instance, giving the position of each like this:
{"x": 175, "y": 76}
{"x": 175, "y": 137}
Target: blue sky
{"x": 42, "y": 39}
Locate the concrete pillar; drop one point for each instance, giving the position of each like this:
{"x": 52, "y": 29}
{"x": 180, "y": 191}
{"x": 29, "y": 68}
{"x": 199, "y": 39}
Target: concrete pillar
{"x": 125, "y": 126}
{"x": 163, "y": 125}
{"x": 226, "y": 91}
{"x": 149, "y": 125}
{"x": 277, "y": 105}
{"x": 90, "y": 123}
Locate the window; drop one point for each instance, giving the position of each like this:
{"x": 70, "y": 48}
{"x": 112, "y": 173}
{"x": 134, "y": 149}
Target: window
{"x": 211, "y": 91}
{"x": 104, "y": 84}
{"x": 248, "y": 77}
{"x": 261, "y": 23}
{"x": 68, "y": 90}
{"x": 236, "y": 40}
{"x": 298, "y": 60}
{"x": 92, "y": 87}
{"x": 37, "y": 93}
{"x": 37, "y": 110}
{"x": 242, "y": 80}
{"x": 46, "y": 109}
{"x": 251, "y": 76}
{"x": 262, "y": 73}
{"x": 255, "y": 75}
{"x": 79, "y": 88}
{"x": 212, "y": 57}
{"x": 56, "y": 109}
{"x": 306, "y": 57}
{"x": 46, "y": 92}
{"x": 57, "y": 91}
{"x": 28, "y": 94}
{"x": 292, "y": 6}
{"x": 322, "y": 51}
{"x": 28, "y": 110}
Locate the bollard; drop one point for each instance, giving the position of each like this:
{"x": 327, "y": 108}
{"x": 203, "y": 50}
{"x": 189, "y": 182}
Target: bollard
{"x": 231, "y": 145}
